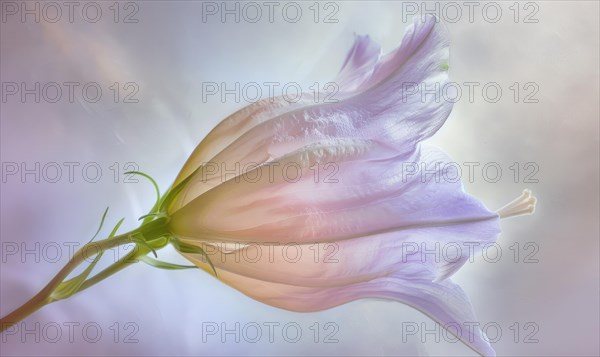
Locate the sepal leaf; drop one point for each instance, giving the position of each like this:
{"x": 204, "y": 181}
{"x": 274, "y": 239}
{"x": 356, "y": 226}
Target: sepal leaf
{"x": 192, "y": 249}
{"x": 164, "y": 265}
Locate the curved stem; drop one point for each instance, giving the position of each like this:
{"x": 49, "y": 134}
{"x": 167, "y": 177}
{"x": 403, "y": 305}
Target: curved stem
{"x": 44, "y": 296}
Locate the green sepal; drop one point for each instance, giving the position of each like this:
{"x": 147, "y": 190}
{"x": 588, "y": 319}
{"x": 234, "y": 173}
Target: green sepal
{"x": 101, "y": 224}
{"x": 116, "y": 228}
{"x": 192, "y": 249}
{"x": 149, "y": 179}
{"x": 173, "y": 191}
{"x": 153, "y": 212}
{"x": 135, "y": 238}
{"x": 149, "y": 215}
{"x": 164, "y": 265}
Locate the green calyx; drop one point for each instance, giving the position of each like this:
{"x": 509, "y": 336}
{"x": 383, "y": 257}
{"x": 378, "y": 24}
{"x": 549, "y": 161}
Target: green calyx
{"x": 152, "y": 235}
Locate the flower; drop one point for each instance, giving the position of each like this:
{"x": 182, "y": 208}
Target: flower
{"x": 311, "y": 242}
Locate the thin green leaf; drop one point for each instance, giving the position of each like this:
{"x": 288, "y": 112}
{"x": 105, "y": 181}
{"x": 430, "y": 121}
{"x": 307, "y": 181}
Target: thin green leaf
{"x": 147, "y": 216}
{"x": 141, "y": 241}
{"x": 192, "y": 249}
{"x": 150, "y": 179}
{"x": 164, "y": 265}
{"x": 116, "y": 228}
{"x": 101, "y": 224}
{"x": 174, "y": 191}
{"x": 69, "y": 287}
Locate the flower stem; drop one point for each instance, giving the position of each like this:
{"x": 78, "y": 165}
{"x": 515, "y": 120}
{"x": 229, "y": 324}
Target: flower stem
{"x": 44, "y": 297}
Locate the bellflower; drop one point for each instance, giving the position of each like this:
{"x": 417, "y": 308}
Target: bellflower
{"x": 371, "y": 223}
{"x": 306, "y": 206}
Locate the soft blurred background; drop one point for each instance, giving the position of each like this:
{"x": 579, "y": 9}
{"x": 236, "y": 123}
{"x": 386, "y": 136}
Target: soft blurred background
{"x": 543, "y": 301}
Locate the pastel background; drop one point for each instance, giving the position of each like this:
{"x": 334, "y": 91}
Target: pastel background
{"x": 171, "y": 51}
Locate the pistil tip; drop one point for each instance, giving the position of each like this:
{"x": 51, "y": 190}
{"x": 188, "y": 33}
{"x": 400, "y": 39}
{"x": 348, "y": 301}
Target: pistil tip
{"x": 524, "y": 204}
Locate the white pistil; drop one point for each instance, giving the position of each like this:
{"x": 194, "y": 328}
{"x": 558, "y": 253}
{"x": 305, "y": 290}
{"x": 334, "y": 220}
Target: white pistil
{"x": 524, "y": 204}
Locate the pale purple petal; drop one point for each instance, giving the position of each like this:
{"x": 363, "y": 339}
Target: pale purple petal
{"x": 359, "y": 64}
{"x": 385, "y": 112}
{"x": 357, "y": 68}
{"x": 352, "y": 260}
{"x": 445, "y": 302}
{"x": 372, "y": 195}
{"x": 373, "y": 209}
